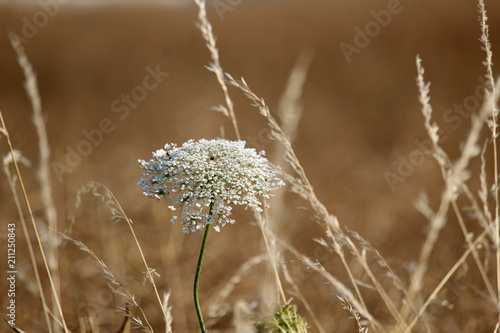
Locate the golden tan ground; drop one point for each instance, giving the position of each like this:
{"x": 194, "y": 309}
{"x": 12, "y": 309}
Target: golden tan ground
{"x": 360, "y": 119}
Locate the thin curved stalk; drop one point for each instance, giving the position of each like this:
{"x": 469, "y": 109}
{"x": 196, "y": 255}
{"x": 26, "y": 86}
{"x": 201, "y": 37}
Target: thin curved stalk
{"x": 198, "y": 271}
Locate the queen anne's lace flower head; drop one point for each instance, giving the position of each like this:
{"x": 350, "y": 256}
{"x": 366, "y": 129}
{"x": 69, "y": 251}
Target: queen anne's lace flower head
{"x": 199, "y": 173}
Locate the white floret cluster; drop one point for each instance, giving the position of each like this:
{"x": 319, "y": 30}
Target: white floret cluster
{"x": 203, "y": 172}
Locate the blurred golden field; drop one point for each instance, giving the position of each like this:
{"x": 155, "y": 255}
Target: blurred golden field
{"x": 360, "y": 124}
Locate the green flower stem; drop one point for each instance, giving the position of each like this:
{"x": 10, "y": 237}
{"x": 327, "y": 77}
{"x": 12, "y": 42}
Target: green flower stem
{"x": 198, "y": 270}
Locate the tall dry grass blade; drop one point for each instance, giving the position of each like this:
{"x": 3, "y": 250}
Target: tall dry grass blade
{"x": 272, "y": 251}
{"x": 124, "y": 292}
{"x": 44, "y": 167}
{"x": 167, "y": 309}
{"x": 355, "y": 314}
{"x": 289, "y": 108}
{"x": 43, "y": 176}
{"x": 118, "y": 214}
{"x": 126, "y": 325}
{"x": 445, "y": 279}
{"x": 390, "y": 274}
{"x": 242, "y": 317}
{"x": 454, "y": 181}
{"x": 215, "y": 66}
{"x": 302, "y": 298}
{"x": 339, "y": 286}
{"x": 231, "y": 284}
{"x": 475, "y": 254}
{"x": 169, "y": 253}
{"x": 483, "y": 197}
{"x": 381, "y": 261}
{"x": 493, "y": 124}
{"x": 485, "y": 39}
{"x": 300, "y": 184}
{"x": 289, "y": 111}
{"x": 446, "y": 168}
{"x": 88, "y": 321}
{"x": 13, "y": 158}
{"x": 378, "y": 286}
{"x": 271, "y": 279}
{"x": 16, "y": 329}
{"x": 484, "y": 191}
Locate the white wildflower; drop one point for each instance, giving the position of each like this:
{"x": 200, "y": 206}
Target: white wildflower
{"x": 199, "y": 173}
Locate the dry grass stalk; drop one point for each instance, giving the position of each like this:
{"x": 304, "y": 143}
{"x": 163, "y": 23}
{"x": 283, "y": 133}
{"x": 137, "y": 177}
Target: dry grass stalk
{"x": 445, "y": 279}
{"x": 294, "y": 88}
{"x": 301, "y": 184}
{"x": 289, "y": 111}
{"x": 376, "y": 283}
{"x": 493, "y": 124}
{"x": 231, "y": 284}
{"x": 483, "y": 192}
{"x": 272, "y": 251}
{"x": 271, "y": 279}
{"x": 115, "y": 286}
{"x": 167, "y": 309}
{"x": 289, "y": 108}
{"x": 18, "y": 330}
{"x": 446, "y": 169}
{"x": 241, "y": 318}
{"x": 454, "y": 181}
{"x": 89, "y": 322}
{"x": 412, "y": 313}
{"x": 7, "y": 160}
{"x": 215, "y": 67}
{"x": 51, "y": 257}
{"x": 117, "y": 213}
{"x": 339, "y": 286}
{"x": 355, "y": 314}
{"x": 302, "y": 298}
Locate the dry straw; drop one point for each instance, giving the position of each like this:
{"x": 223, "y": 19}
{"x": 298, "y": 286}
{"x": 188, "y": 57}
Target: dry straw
{"x": 49, "y": 252}
{"x": 455, "y": 174}
{"x": 203, "y": 180}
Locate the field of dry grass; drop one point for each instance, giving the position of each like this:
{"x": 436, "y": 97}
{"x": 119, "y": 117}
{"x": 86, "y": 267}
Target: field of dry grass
{"x": 117, "y": 83}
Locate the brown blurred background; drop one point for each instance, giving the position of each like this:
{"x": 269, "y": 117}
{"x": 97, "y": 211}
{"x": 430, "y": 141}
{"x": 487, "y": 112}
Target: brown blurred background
{"x": 361, "y": 119}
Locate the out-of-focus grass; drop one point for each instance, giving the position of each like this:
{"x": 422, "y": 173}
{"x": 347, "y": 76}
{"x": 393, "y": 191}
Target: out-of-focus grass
{"x": 358, "y": 120}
